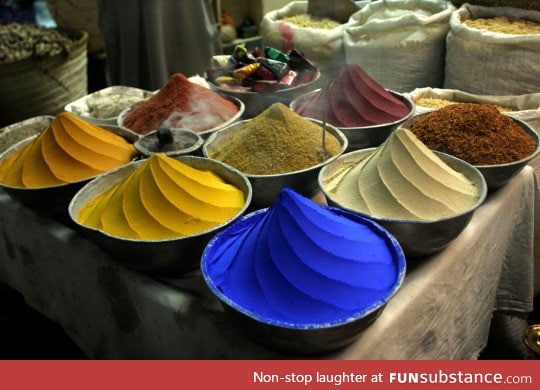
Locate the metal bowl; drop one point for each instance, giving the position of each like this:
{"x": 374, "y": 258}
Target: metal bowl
{"x": 149, "y": 144}
{"x": 80, "y": 106}
{"x": 204, "y": 134}
{"x": 173, "y": 256}
{"x": 498, "y": 175}
{"x": 257, "y": 102}
{"x": 266, "y": 188}
{"x": 12, "y": 134}
{"x": 301, "y": 339}
{"x": 367, "y": 136}
{"x": 52, "y": 201}
{"x": 417, "y": 238}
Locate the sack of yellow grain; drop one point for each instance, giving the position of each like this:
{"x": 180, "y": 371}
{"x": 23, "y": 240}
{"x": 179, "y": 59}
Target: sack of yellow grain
{"x": 493, "y": 51}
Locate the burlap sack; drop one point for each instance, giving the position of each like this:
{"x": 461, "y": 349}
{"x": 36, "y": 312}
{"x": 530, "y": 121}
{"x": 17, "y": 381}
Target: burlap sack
{"x": 491, "y": 63}
{"x": 400, "y": 43}
{"x": 43, "y": 86}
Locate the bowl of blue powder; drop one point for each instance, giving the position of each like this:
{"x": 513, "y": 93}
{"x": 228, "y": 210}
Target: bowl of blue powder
{"x": 302, "y": 278}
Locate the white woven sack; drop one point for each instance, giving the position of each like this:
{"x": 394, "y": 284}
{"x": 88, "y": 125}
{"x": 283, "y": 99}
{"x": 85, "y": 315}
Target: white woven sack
{"x": 400, "y": 43}
{"x": 490, "y": 63}
{"x": 324, "y": 47}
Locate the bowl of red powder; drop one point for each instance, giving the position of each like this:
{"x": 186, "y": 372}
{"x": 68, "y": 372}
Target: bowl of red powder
{"x": 181, "y": 103}
{"x": 357, "y": 105}
{"x": 498, "y": 145}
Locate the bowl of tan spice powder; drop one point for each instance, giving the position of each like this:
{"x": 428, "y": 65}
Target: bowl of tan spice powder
{"x": 276, "y": 149}
{"x": 498, "y": 145}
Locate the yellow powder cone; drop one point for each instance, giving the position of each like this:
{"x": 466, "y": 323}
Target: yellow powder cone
{"x": 149, "y": 204}
{"x": 163, "y": 210}
{"x": 113, "y": 219}
{"x": 11, "y": 167}
{"x": 68, "y": 150}
{"x": 203, "y": 185}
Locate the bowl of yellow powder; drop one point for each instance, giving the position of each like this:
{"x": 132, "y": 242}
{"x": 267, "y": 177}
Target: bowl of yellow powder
{"x": 156, "y": 215}
{"x": 276, "y": 149}
{"x": 424, "y": 198}
{"x": 45, "y": 170}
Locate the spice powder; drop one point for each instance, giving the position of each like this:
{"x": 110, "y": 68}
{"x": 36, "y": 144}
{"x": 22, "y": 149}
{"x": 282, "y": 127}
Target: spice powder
{"x": 476, "y": 133}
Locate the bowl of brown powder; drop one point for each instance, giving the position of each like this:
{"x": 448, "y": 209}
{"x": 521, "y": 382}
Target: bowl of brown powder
{"x": 499, "y": 145}
{"x": 276, "y": 149}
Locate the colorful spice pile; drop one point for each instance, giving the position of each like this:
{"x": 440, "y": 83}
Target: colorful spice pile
{"x": 303, "y": 264}
{"x": 402, "y": 179}
{"x": 180, "y": 104}
{"x": 354, "y": 100}
{"x": 68, "y": 150}
{"x": 476, "y": 133}
{"x": 163, "y": 198}
{"x": 276, "y": 141}
{"x": 267, "y": 70}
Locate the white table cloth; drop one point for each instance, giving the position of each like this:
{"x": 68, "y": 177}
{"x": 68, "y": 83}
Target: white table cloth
{"x": 442, "y": 311}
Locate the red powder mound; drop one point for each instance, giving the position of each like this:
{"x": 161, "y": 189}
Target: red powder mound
{"x": 180, "y": 103}
{"x": 355, "y": 100}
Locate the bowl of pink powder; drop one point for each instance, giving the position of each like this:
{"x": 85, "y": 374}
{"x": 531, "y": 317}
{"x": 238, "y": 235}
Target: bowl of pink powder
{"x": 181, "y": 103}
{"x": 357, "y": 105}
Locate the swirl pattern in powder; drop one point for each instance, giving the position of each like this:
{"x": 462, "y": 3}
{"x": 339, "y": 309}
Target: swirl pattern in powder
{"x": 68, "y": 150}
{"x": 402, "y": 179}
{"x": 298, "y": 263}
{"x": 354, "y": 100}
{"x": 163, "y": 198}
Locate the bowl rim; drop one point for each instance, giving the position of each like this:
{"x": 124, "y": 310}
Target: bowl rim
{"x": 406, "y": 99}
{"x": 483, "y": 190}
{"x": 283, "y": 91}
{"x": 237, "y": 102}
{"x": 393, "y": 246}
{"x": 199, "y": 142}
{"x": 344, "y": 142}
{"x": 131, "y": 167}
{"x": 528, "y": 128}
{"x": 17, "y": 146}
{"x": 110, "y": 90}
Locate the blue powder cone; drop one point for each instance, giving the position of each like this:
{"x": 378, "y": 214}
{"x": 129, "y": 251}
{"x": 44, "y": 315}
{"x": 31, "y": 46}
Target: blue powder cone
{"x": 300, "y": 264}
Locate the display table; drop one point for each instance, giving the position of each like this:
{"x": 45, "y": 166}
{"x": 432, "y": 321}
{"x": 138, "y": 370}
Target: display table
{"x": 442, "y": 311}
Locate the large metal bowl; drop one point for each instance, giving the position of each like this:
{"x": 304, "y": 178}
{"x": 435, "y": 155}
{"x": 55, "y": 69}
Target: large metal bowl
{"x": 204, "y": 134}
{"x": 51, "y": 201}
{"x": 12, "y": 134}
{"x": 498, "y": 175}
{"x": 257, "y": 102}
{"x": 172, "y": 256}
{"x": 266, "y": 188}
{"x": 312, "y": 339}
{"x": 417, "y": 238}
{"x": 367, "y": 136}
